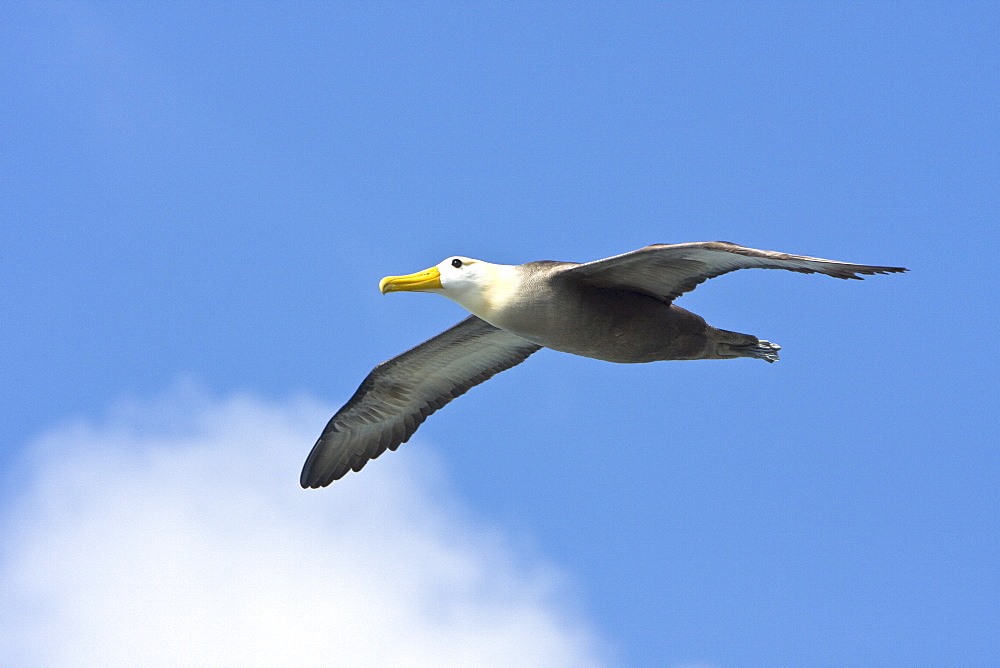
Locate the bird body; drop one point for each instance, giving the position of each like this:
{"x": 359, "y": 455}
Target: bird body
{"x": 603, "y": 323}
{"x": 619, "y": 309}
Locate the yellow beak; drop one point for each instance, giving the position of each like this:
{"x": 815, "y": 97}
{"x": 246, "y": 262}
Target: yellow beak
{"x": 422, "y": 281}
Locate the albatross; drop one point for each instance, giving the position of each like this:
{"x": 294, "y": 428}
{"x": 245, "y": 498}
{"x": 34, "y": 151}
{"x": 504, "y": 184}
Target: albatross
{"x": 619, "y": 309}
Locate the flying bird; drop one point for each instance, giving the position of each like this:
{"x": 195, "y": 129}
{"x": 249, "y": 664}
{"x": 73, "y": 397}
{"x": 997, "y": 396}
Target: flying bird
{"x": 619, "y": 309}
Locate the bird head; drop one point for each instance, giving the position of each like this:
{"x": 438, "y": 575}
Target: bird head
{"x": 476, "y": 285}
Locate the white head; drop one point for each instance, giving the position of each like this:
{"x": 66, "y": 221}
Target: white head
{"x": 480, "y": 287}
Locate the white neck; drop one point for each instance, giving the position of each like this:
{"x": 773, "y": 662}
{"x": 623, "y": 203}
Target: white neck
{"x": 482, "y": 288}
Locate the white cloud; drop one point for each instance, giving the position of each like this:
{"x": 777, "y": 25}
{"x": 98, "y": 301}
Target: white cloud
{"x": 175, "y": 534}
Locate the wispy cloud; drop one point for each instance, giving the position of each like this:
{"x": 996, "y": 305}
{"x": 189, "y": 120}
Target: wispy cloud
{"x": 174, "y": 533}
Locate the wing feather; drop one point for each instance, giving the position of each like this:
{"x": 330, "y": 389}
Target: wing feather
{"x": 667, "y": 271}
{"x": 398, "y": 395}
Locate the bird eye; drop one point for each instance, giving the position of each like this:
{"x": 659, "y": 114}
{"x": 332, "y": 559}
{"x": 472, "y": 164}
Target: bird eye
{"x": 456, "y": 263}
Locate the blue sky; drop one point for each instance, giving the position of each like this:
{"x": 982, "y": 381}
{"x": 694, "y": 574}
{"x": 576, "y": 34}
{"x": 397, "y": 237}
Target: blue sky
{"x": 198, "y": 201}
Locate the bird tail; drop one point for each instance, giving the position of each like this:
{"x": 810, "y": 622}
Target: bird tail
{"x": 762, "y": 350}
{"x": 733, "y": 344}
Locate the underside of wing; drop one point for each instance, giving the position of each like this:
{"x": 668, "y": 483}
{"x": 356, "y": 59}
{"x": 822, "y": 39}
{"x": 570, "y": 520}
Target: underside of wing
{"x": 398, "y": 395}
{"x": 667, "y": 271}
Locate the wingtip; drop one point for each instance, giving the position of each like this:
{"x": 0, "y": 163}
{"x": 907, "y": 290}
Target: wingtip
{"x": 871, "y": 271}
{"x": 317, "y": 483}
{"x": 311, "y": 478}
{"x": 317, "y": 477}
{"x": 890, "y": 270}
{"x": 307, "y": 482}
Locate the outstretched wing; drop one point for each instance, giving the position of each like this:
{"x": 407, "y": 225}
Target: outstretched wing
{"x": 399, "y": 394}
{"x": 667, "y": 271}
